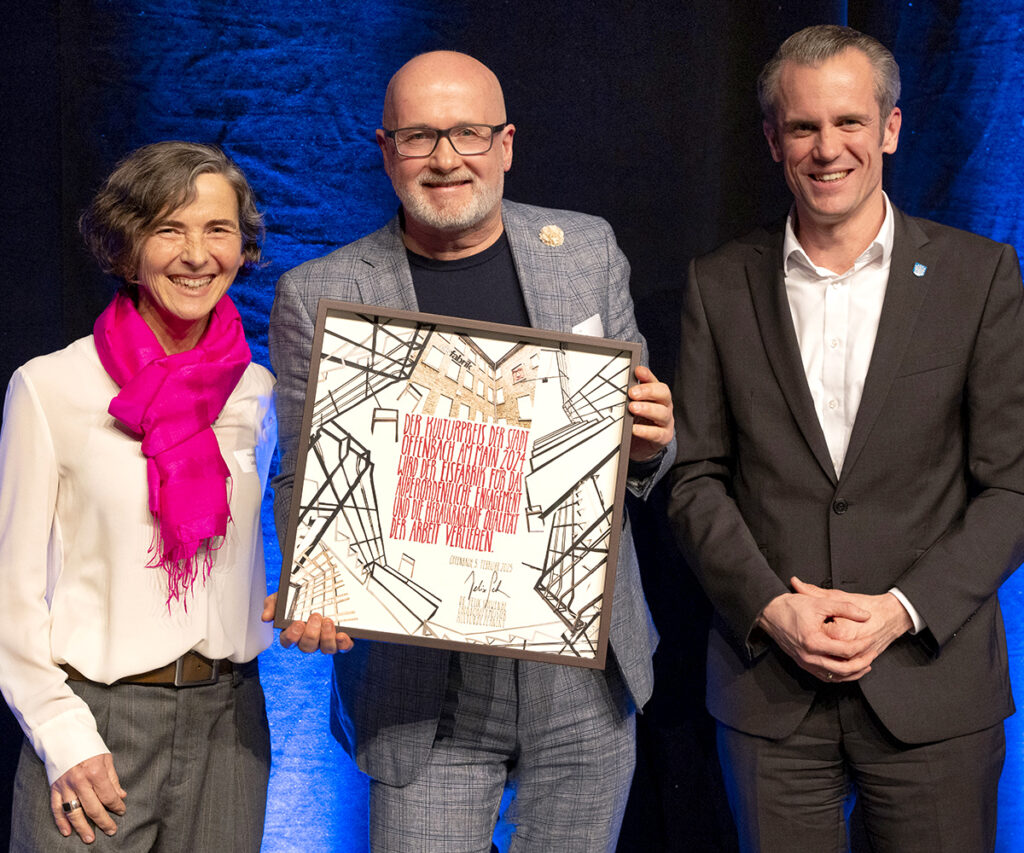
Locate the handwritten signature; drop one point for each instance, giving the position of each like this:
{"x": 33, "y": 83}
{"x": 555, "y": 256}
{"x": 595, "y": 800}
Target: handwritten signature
{"x": 489, "y": 589}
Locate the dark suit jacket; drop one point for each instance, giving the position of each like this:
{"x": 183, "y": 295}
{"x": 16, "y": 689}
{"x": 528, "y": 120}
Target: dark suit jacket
{"x": 387, "y": 697}
{"x": 931, "y": 497}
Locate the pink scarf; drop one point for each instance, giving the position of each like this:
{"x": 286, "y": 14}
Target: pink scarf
{"x": 171, "y": 402}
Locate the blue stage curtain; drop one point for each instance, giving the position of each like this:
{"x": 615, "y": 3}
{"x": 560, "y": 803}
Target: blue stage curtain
{"x": 961, "y": 162}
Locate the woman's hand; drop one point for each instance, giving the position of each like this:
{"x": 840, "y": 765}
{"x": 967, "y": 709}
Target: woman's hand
{"x": 93, "y": 786}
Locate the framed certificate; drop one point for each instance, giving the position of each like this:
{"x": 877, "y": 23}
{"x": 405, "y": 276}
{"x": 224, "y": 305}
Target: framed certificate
{"x": 459, "y": 484}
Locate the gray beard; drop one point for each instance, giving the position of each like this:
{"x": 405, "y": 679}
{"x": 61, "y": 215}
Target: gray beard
{"x": 484, "y": 200}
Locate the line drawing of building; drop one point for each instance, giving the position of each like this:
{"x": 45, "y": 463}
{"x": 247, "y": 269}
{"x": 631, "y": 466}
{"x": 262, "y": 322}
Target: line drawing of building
{"x": 457, "y": 378}
{"x": 572, "y": 578}
{"x": 344, "y": 501}
{"x": 374, "y": 370}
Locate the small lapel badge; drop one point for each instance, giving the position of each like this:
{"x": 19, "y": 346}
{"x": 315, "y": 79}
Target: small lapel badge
{"x": 920, "y": 270}
{"x": 552, "y": 235}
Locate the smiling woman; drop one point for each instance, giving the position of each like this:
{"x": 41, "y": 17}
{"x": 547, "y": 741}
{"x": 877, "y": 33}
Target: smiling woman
{"x": 133, "y": 463}
{"x": 188, "y": 263}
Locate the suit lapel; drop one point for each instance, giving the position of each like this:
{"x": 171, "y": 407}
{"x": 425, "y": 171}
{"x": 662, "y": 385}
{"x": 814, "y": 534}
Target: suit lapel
{"x": 904, "y": 294}
{"x": 538, "y": 271}
{"x": 386, "y": 279}
{"x": 771, "y": 305}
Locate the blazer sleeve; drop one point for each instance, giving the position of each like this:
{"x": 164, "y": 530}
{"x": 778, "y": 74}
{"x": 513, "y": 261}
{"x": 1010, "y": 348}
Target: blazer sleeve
{"x": 984, "y": 546}
{"x": 704, "y": 517}
{"x": 290, "y": 338}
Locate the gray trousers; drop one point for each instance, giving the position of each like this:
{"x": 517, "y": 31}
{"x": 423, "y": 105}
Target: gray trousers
{"x": 795, "y": 793}
{"x": 194, "y": 761}
{"x": 560, "y": 739}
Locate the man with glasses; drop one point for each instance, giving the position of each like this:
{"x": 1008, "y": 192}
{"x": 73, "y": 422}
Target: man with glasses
{"x": 441, "y": 734}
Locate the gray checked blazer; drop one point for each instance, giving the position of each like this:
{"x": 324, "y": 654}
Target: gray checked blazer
{"x": 386, "y": 698}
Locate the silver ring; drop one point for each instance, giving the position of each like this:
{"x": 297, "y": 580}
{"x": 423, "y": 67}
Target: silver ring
{"x": 70, "y": 807}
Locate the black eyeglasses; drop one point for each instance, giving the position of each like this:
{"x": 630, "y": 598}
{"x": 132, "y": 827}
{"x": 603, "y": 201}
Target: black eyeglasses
{"x": 466, "y": 139}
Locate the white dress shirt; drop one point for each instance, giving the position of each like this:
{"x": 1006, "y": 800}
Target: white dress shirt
{"x": 75, "y": 539}
{"x": 836, "y": 317}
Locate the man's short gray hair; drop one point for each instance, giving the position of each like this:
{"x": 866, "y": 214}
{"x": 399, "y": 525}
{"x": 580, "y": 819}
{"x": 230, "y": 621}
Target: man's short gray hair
{"x": 812, "y": 46}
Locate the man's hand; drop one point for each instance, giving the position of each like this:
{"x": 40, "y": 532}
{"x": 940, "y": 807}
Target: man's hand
{"x": 650, "y": 403}
{"x": 867, "y": 639}
{"x": 92, "y": 787}
{"x": 801, "y": 624}
{"x": 317, "y": 633}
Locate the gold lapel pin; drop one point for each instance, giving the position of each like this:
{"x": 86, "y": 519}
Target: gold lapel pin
{"x": 552, "y": 235}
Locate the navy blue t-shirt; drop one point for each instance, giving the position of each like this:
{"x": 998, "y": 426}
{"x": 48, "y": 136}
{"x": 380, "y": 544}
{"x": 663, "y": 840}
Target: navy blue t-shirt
{"x": 483, "y": 286}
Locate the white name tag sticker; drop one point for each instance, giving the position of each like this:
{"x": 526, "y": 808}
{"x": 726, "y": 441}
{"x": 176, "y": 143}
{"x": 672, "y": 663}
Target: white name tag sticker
{"x": 591, "y": 326}
{"x": 246, "y": 459}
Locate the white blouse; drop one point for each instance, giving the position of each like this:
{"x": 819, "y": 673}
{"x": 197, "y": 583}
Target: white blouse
{"x": 75, "y": 539}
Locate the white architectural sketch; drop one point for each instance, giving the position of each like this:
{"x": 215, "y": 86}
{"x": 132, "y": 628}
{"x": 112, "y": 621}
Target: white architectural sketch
{"x": 530, "y": 579}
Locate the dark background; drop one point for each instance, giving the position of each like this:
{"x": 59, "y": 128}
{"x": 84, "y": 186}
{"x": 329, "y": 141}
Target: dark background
{"x": 641, "y": 112}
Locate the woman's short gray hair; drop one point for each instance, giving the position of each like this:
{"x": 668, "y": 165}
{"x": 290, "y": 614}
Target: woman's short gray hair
{"x": 149, "y": 183}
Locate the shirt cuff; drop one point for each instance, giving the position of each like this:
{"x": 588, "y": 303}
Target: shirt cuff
{"x": 914, "y": 615}
{"x": 639, "y": 472}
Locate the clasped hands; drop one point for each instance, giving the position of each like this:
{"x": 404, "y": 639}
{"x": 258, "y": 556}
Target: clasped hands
{"x": 834, "y": 635}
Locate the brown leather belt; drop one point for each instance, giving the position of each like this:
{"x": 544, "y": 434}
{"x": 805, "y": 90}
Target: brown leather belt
{"x": 190, "y": 670}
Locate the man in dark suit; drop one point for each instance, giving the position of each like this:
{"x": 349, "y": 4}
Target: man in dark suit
{"x": 441, "y": 733}
{"x": 849, "y": 483}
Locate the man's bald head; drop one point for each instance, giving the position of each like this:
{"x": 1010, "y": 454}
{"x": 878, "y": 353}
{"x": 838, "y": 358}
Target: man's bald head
{"x": 451, "y": 200}
{"x": 440, "y": 74}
